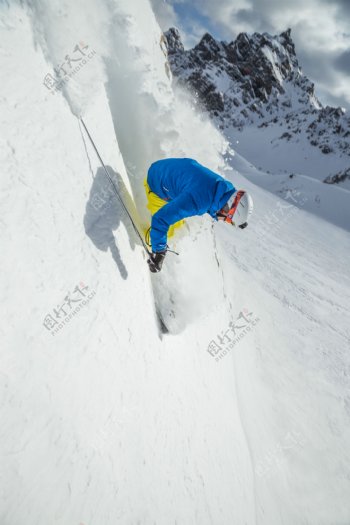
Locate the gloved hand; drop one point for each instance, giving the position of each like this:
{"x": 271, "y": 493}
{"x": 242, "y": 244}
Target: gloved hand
{"x": 155, "y": 261}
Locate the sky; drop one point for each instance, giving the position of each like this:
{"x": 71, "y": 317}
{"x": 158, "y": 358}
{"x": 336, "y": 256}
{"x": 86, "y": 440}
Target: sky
{"x": 320, "y": 31}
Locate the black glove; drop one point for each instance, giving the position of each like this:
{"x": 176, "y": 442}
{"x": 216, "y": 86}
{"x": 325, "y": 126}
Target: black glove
{"x": 155, "y": 261}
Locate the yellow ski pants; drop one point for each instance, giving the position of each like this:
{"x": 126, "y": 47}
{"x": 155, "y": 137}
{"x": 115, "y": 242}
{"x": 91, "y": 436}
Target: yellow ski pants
{"x": 154, "y": 203}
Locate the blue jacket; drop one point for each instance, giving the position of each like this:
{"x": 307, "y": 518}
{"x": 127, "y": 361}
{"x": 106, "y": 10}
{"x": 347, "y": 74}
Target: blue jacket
{"x": 190, "y": 188}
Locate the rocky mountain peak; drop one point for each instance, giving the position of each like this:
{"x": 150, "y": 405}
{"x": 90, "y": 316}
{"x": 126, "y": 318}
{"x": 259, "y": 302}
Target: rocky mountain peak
{"x": 258, "y": 63}
{"x": 174, "y": 42}
{"x": 256, "y": 80}
{"x": 208, "y": 48}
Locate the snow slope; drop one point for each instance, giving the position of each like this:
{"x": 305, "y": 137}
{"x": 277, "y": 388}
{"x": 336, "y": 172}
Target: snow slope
{"x": 103, "y": 421}
{"x": 328, "y": 202}
{"x": 266, "y": 149}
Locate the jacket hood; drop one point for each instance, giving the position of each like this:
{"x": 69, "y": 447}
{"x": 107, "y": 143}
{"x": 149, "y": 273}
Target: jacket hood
{"x": 223, "y": 191}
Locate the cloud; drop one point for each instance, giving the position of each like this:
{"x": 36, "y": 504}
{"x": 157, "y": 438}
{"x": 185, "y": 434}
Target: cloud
{"x": 320, "y": 30}
{"x": 342, "y": 62}
{"x": 165, "y": 14}
{"x": 176, "y": 13}
{"x": 343, "y": 6}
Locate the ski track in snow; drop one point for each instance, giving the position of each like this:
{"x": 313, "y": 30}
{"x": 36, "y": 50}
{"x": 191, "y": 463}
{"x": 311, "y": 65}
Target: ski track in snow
{"x": 105, "y": 422}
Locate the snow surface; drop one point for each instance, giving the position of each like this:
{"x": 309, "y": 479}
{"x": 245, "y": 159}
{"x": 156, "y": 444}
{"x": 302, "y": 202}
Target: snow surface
{"x": 102, "y": 420}
{"x": 329, "y": 202}
{"x": 272, "y": 57}
{"x": 265, "y": 149}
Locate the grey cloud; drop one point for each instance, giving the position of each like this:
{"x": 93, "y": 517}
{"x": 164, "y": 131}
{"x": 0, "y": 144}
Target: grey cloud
{"x": 257, "y": 21}
{"x": 342, "y": 62}
{"x": 342, "y": 5}
{"x": 317, "y": 68}
{"x": 331, "y": 100}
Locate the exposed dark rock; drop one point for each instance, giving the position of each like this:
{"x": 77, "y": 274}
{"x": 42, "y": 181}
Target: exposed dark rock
{"x": 257, "y": 79}
{"x": 338, "y": 177}
{"x": 174, "y": 42}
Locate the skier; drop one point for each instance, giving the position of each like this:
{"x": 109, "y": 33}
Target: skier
{"x": 177, "y": 188}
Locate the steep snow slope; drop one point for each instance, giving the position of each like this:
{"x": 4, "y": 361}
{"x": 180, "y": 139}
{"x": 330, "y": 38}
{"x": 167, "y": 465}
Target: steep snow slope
{"x": 103, "y": 422}
{"x": 293, "y": 380}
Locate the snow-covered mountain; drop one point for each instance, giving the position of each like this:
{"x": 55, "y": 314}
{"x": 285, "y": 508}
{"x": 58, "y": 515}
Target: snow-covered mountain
{"x": 256, "y": 83}
{"x": 240, "y": 418}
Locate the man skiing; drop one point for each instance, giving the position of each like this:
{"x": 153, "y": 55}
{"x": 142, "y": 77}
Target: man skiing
{"x": 177, "y": 188}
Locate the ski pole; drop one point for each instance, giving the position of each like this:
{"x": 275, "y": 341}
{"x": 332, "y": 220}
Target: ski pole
{"x": 115, "y": 189}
